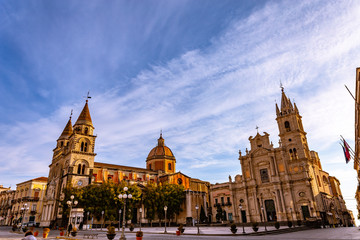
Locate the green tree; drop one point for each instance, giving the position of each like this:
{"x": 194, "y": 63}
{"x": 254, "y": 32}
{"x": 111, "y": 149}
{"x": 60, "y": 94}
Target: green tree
{"x": 104, "y": 197}
{"x": 156, "y": 197}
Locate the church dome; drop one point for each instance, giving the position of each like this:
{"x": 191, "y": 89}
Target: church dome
{"x": 160, "y": 151}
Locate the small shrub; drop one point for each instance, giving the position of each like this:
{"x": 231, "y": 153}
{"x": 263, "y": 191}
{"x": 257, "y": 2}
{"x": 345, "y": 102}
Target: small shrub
{"x": 14, "y": 227}
{"x": 111, "y": 230}
{"x": 139, "y": 233}
{"x": 255, "y": 226}
{"x": 181, "y": 228}
{"x": 299, "y": 222}
{"x": 277, "y": 225}
{"x": 289, "y": 223}
{"x": 233, "y": 228}
{"x": 131, "y": 228}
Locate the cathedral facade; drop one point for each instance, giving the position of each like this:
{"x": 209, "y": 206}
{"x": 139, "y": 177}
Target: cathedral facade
{"x": 74, "y": 164}
{"x": 284, "y": 183}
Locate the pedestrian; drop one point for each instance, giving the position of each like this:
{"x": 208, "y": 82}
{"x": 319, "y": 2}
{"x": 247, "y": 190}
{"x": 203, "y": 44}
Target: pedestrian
{"x": 29, "y": 236}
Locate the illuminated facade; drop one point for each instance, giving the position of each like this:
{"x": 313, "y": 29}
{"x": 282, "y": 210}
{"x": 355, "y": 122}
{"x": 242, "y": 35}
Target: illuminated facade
{"x": 282, "y": 183}
{"x": 74, "y": 163}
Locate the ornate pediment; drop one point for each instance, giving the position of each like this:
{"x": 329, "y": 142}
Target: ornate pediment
{"x": 260, "y": 152}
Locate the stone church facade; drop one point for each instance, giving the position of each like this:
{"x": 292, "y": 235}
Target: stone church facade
{"x": 74, "y": 163}
{"x": 284, "y": 183}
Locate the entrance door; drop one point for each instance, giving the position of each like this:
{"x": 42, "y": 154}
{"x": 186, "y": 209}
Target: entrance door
{"x": 305, "y": 212}
{"x": 134, "y": 216}
{"x": 243, "y": 216}
{"x": 270, "y": 210}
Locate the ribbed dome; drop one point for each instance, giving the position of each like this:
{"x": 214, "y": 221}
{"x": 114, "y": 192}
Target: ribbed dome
{"x": 160, "y": 151}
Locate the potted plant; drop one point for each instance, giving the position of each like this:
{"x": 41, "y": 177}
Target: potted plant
{"x": 46, "y": 232}
{"x": 139, "y": 235}
{"x": 14, "y": 227}
{"x": 181, "y": 228}
{"x": 61, "y": 231}
{"x": 36, "y": 233}
{"x": 111, "y": 232}
{"x": 289, "y": 223}
{"x": 255, "y": 226}
{"x": 74, "y": 232}
{"x": 131, "y": 227}
{"x": 299, "y": 222}
{"x": 277, "y": 225}
{"x": 233, "y": 228}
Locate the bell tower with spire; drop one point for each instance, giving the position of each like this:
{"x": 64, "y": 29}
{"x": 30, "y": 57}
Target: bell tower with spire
{"x": 80, "y": 159}
{"x": 291, "y": 131}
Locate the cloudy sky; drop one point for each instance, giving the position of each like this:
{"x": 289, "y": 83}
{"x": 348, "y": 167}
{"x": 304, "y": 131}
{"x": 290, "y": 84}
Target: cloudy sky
{"x": 205, "y": 72}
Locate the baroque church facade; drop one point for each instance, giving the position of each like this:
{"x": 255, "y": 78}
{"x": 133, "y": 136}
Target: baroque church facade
{"x": 74, "y": 163}
{"x": 284, "y": 183}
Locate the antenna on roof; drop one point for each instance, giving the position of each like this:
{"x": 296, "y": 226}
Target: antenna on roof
{"x": 71, "y": 113}
{"x": 257, "y": 129}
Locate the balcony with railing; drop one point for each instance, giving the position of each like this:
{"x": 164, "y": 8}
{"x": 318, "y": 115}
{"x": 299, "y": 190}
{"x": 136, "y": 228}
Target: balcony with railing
{"x": 30, "y": 199}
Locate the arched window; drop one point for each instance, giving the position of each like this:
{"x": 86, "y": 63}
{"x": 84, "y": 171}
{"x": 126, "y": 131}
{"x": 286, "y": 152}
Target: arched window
{"x": 61, "y": 143}
{"x": 150, "y": 166}
{"x": 85, "y": 148}
{"x": 82, "y": 147}
{"x": 79, "y": 169}
{"x": 318, "y": 180}
{"x": 287, "y": 126}
{"x": 83, "y": 169}
{"x": 325, "y": 181}
{"x": 86, "y": 131}
{"x": 295, "y": 154}
{"x": 169, "y": 166}
{"x": 291, "y": 153}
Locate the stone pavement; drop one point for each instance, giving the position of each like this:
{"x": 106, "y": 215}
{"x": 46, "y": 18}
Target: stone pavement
{"x": 207, "y": 233}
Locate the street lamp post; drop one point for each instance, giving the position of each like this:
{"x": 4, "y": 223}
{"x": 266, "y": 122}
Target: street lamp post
{"x": 291, "y": 216}
{"x": 70, "y": 203}
{"x": 197, "y": 218}
{"x": 165, "y": 209}
{"x": 102, "y": 217}
{"x": 124, "y": 196}
{"x": 23, "y": 209}
{"x": 262, "y": 209}
{"x": 87, "y": 220}
{"x": 119, "y": 218}
{"x": 240, "y": 206}
{"x": 140, "y": 211}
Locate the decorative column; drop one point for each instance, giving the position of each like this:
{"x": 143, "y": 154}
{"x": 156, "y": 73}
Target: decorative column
{"x": 188, "y": 203}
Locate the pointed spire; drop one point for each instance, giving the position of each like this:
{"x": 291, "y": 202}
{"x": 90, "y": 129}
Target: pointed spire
{"x": 68, "y": 130}
{"x": 277, "y": 110}
{"x": 161, "y": 141}
{"x": 285, "y": 101}
{"x": 84, "y": 117}
{"x": 296, "y": 109}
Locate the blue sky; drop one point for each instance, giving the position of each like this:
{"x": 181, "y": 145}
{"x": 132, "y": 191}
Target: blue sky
{"x": 205, "y": 72}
